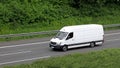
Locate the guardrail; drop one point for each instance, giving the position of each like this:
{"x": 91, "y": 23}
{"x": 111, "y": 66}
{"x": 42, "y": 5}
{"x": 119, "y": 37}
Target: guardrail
{"x": 111, "y": 25}
{"x": 29, "y": 34}
{"x": 47, "y": 32}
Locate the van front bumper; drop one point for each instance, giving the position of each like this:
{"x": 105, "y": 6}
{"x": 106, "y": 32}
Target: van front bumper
{"x": 55, "y": 46}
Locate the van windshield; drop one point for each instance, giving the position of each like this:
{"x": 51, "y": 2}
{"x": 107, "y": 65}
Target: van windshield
{"x": 61, "y": 35}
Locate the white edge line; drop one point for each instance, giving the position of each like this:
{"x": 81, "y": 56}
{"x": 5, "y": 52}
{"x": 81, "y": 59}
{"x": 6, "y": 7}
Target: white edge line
{"x": 113, "y": 40}
{"x": 23, "y": 44}
{"x": 15, "y": 53}
{"x": 112, "y": 34}
{"x": 24, "y": 60}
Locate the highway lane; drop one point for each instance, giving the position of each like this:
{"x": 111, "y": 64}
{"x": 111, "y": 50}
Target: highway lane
{"x": 26, "y": 51}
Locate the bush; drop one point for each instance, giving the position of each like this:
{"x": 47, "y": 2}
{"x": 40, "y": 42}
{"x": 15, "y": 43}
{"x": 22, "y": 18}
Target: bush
{"x": 17, "y": 14}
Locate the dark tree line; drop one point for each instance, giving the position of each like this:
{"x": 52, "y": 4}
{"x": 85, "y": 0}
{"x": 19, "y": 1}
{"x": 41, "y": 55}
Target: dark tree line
{"x": 79, "y": 3}
{"x": 25, "y": 12}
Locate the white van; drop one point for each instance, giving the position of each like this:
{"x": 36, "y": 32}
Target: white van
{"x": 77, "y": 36}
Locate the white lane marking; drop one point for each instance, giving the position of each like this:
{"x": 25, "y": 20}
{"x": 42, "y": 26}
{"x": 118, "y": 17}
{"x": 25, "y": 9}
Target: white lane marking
{"x": 112, "y": 40}
{"x": 15, "y": 53}
{"x": 112, "y": 34}
{"x": 23, "y": 44}
{"x": 24, "y": 60}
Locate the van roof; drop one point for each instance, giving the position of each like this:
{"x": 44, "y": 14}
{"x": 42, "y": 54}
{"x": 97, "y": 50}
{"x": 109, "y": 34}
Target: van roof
{"x": 76, "y": 27}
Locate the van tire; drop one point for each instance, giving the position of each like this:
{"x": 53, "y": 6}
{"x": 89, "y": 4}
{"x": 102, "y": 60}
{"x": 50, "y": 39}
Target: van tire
{"x": 64, "y": 48}
{"x": 92, "y": 44}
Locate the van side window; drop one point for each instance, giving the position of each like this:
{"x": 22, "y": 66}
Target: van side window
{"x": 70, "y": 36}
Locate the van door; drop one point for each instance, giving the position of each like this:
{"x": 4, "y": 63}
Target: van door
{"x": 69, "y": 39}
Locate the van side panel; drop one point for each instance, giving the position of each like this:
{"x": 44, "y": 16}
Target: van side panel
{"x": 87, "y": 35}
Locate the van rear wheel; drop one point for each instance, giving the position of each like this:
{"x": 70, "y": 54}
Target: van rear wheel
{"x": 92, "y": 44}
{"x": 64, "y": 48}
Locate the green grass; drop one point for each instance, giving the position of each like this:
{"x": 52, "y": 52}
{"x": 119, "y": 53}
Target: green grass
{"x": 41, "y": 36}
{"x": 57, "y": 25}
{"x": 24, "y": 16}
{"x": 109, "y": 58}
{"x": 25, "y": 37}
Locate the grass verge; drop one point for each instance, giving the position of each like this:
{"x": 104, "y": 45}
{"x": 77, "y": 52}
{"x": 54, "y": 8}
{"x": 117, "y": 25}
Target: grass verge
{"x": 40, "y": 36}
{"x": 108, "y": 58}
{"x": 25, "y": 37}
{"x": 56, "y": 25}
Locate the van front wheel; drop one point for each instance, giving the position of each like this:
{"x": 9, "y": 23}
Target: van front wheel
{"x": 64, "y": 48}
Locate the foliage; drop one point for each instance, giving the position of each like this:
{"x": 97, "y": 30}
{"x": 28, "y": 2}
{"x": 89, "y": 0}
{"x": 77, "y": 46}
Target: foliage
{"x": 18, "y": 16}
{"x": 80, "y": 3}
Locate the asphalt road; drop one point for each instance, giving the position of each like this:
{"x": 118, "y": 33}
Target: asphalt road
{"x": 27, "y": 51}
